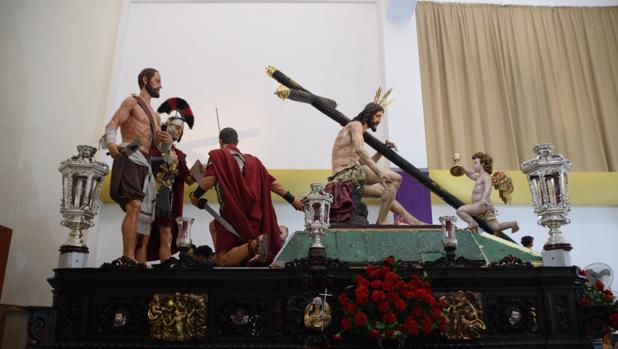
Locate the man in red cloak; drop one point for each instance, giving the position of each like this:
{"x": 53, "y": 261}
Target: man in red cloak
{"x": 243, "y": 187}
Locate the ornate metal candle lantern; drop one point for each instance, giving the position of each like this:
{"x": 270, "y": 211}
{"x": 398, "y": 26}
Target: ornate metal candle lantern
{"x": 183, "y": 241}
{"x": 317, "y": 210}
{"x": 449, "y": 241}
{"x": 82, "y": 179}
{"x": 547, "y": 176}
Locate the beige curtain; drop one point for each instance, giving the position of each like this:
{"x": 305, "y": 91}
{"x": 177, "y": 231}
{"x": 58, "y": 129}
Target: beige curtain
{"x": 501, "y": 79}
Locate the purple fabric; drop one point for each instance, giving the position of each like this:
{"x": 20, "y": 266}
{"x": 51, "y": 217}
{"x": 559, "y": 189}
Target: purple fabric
{"x": 414, "y": 197}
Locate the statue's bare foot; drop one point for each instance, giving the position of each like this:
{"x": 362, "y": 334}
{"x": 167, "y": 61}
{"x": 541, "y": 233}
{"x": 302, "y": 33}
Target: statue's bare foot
{"x": 417, "y": 222}
{"x": 408, "y": 221}
{"x": 473, "y": 228}
{"x": 515, "y": 228}
{"x": 401, "y": 221}
{"x": 261, "y": 250}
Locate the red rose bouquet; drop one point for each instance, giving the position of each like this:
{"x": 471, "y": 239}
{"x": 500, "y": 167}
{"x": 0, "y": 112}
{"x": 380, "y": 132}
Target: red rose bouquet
{"x": 596, "y": 293}
{"x": 382, "y": 304}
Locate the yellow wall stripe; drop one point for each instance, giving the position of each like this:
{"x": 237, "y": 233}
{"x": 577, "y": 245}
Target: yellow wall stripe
{"x": 296, "y": 181}
{"x": 585, "y": 188}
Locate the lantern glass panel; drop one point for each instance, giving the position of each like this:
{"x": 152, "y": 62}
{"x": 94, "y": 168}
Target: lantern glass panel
{"x": 534, "y": 189}
{"x": 317, "y": 212}
{"x": 184, "y": 232}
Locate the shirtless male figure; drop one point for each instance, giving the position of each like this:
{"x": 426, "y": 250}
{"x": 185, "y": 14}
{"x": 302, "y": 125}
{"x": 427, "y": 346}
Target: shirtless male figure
{"x": 350, "y": 161}
{"x": 132, "y": 182}
{"x": 481, "y": 205}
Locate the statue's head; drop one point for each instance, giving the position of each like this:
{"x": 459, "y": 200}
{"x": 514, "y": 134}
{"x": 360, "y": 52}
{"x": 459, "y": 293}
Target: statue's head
{"x": 371, "y": 115}
{"x": 527, "y": 241}
{"x": 150, "y": 79}
{"x": 228, "y": 136}
{"x": 484, "y": 161}
{"x": 514, "y": 315}
{"x": 317, "y": 302}
{"x": 175, "y": 127}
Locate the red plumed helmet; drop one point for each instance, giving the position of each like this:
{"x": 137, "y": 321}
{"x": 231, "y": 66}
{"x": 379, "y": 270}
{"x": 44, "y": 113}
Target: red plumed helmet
{"x": 181, "y": 106}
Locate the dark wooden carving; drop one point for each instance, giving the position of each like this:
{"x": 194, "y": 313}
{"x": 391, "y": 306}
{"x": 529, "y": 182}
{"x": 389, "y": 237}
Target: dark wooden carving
{"x": 512, "y": 315}
{"x": 241, "y": 318}
{"x": 263, "y": 308}
{"x": 118, "y": 318}
{"x": 511, "y": 261}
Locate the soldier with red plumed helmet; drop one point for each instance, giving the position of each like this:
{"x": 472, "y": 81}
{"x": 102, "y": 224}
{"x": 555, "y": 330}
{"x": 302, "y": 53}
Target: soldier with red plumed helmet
{"x": 171, "y": 173}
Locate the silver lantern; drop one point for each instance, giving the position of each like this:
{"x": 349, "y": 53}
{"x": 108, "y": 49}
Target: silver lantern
{"x": 449, "y": 241}
{"x": 183, "y": 241}
{"x": 316, "y": 205}
{"x": 548, "y": 178}
{"x": 82, "y": 179}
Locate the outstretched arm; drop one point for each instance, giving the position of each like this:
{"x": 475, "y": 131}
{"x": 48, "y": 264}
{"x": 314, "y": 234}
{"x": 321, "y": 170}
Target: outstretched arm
{"x": 471, "y": 174}
{"x": 280, "y": 190}
{"x": 204, "y": 184}
{"x": 356, "y": 132}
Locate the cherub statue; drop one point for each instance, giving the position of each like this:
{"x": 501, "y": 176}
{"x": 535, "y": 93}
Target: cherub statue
{"x": 481, "y": 205}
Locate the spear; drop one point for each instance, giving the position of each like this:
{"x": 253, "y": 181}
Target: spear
{"x": 290, "y": 89}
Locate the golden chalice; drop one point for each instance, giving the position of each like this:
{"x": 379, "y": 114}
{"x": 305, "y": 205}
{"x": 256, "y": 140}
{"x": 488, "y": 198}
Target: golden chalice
{"x": 457, "y": 170}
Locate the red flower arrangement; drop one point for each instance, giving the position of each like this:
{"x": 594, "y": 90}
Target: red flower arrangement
{"x": 382, "y": 304}
{"x": 596, "y": 293}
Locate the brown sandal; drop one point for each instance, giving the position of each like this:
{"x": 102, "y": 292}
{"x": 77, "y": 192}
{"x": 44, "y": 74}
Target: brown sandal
{"x": 123, "y": 262}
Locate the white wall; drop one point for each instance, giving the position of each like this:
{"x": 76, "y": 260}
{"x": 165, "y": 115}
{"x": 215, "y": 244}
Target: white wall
{"x": 55, "y": 68}
{"x": 214, "y": 54}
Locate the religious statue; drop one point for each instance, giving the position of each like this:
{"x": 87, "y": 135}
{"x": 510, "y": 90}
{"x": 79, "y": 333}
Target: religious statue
{"x": 292, "y": 90}
{"x": 132, "y": 184}
{"x": 177, "y": 317}
{"x": 317, "y": 315}
{"x": 169, "y": 166}
{"x": 481, "y": 205}
{"x": 463, "y": 316}
{"x": 352, "y": 165}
